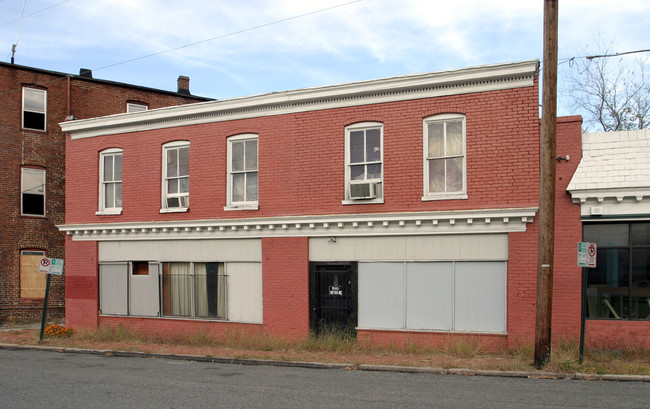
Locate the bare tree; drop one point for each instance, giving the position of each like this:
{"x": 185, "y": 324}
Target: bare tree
{"x": 611, "y": 93}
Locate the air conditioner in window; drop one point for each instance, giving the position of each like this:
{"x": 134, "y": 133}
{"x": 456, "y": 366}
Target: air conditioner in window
{"x": 363, "y": 190}
{"x": 179, "y": 201}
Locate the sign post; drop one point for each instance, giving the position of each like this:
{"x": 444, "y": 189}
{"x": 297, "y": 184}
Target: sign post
{"x": 586, "y": 259}
{"x": 48, "y": 266}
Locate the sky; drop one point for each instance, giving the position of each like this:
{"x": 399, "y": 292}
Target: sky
{"x": 236, "y": 48}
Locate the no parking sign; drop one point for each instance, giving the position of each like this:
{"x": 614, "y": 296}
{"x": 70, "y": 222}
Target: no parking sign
{"x": 587, "y": 254}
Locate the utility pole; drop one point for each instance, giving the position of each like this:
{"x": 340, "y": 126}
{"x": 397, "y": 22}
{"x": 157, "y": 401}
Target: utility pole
{"x": 545, "y": 250}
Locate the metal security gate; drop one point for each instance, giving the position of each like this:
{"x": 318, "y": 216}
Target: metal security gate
{"x": 333, "y": 296}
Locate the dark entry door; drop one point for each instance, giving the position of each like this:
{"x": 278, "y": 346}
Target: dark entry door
{"x": 333, "y": 296}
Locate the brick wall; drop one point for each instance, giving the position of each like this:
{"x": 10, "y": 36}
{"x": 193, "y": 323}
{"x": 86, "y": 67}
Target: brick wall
{"x": 285, "y": 285}
{"x": 81, "y": 284}
{"x": 567, "y": 276}
{"x": 45, "y": 150}
{"x": 301, "y": 160}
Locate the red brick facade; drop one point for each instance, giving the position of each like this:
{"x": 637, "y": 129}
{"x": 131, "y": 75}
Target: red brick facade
{"x": 67, "y": 95}
{"x": 301, "y": 186}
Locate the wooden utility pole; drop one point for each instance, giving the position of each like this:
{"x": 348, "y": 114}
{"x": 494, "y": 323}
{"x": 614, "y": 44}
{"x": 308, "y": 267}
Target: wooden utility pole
{"x": 547, "y": 188}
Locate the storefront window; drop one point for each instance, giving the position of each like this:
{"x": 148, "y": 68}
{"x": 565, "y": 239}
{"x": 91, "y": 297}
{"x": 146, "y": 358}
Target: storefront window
{"x": 619, "y": 286}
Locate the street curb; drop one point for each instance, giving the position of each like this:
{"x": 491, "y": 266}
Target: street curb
{"x": 319, "y": 365}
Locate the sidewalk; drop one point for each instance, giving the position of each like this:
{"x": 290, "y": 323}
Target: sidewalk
{"x": 29, "y": 341}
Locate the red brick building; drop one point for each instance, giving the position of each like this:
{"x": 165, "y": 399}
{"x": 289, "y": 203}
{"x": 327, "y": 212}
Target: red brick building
{"x": 33, "y": 103}
{"x": 404, "y": 208}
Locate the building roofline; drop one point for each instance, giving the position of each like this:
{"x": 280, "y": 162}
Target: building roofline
{"x": 407, "y": 87}
{"x": 101, "y": 81}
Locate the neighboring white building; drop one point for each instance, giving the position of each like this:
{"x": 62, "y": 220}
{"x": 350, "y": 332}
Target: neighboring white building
{"x": 612, "y": 185}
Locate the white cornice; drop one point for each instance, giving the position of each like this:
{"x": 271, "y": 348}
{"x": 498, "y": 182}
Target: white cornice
{"x": 407, "y": 87}
{"x": 386, "y": 224}
{"x": 618, "y": 194}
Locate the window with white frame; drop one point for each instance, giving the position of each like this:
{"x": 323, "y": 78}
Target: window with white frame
{"x": 110, "y": 184}
{"x": 176, "y": 176}
{"x": 364, "y": 158}
{"x": 34, "y": 109}
{"x": 242, "y": 182}
{"x": 32, "y": 197}
{"x": 136, "y": 107}
{"x": 444, "y": 157}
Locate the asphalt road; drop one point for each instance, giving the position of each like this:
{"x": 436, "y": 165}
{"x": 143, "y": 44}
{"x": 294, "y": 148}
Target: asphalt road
{"x": 34, "y": 379}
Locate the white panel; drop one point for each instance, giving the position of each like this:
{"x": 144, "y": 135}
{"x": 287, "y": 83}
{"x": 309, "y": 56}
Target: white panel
{"x": 245, "y": 292}
{"x": 480, "y": 296}
{"x": 144, "y": 294}
{"x": 182, "y": 250}
{"x": 113, "y": 288}
{"x": 429, "y": 303}
{"x": 465, "y": 247}
{"x": 381, "y": 295}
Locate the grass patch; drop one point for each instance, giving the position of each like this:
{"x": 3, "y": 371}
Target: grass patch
{"x": 340, "y": 346}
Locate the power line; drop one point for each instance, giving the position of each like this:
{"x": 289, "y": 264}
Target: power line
{"x": 591, "y": 57}
{"x": 36, "y": 12}
{"x": 191, "y": 44}
{"x": 229, "y": 34}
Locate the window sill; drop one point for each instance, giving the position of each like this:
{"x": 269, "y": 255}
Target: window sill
{"x": 242, "y": 206}
{"x": 362, "y": 201}
{"x": 34, "y": 216}
{"x": 175, "y": 210}
{"x": 452, "y": 196}
{"x": 108, "y": 212}
{"x": 33, "y": 130}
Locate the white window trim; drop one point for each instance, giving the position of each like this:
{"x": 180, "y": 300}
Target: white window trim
{"x": 44, "y": 112}
{"x": 107, "y": 211}
{"x": 165, "y": 148}
{"x": 22, "y": 174}
{"x": 132, "y": 107}
{"x": 356, "y": 127}
{"x": 427, "y": 196}
{"x": 250, "y": 205}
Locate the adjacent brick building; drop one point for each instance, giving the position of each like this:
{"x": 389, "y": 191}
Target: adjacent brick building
{"x": 33, "y": 103}
{"x": 401, "y": 208}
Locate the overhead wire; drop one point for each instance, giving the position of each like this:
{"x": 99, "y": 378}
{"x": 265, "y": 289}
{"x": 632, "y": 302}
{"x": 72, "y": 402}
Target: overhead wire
{"x": 197, "y": 42}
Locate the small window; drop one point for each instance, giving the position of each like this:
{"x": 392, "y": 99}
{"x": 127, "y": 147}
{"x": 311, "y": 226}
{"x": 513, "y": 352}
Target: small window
{"x": 34, "y": 109}
{"x": 444, "y": 157}
{"x": 32, "y": 199}
{"x": 242, "y": 172}
{"x": 140, "y": 268}
{"x": 110, "y": 189}
{"x": 364, "y": 157}
{"x": 136, "y": 107}
{"x": 176, "y": 177}
{"x": 32, "y": 283}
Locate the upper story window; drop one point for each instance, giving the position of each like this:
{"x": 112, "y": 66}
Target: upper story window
{"x": 32, "y": 197}
{"x": 34, "y": 109}
{"x": 136, "y": 107}
{"x": 444, "y": 157}
{"x": 242, "y": 172}
{"x": 110, "y": 183}
{"x": 176, "y": 177}
{"x": 364, "y": 157}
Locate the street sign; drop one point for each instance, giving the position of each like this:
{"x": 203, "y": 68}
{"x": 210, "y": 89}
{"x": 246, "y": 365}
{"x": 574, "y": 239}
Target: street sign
{"x": 48, "y": 265}
{"x": 587, "y": 254}
{"x": 44, "y": 265}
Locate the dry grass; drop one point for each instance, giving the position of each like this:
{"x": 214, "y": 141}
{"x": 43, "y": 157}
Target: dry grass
{"x": 338, "y": 347}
